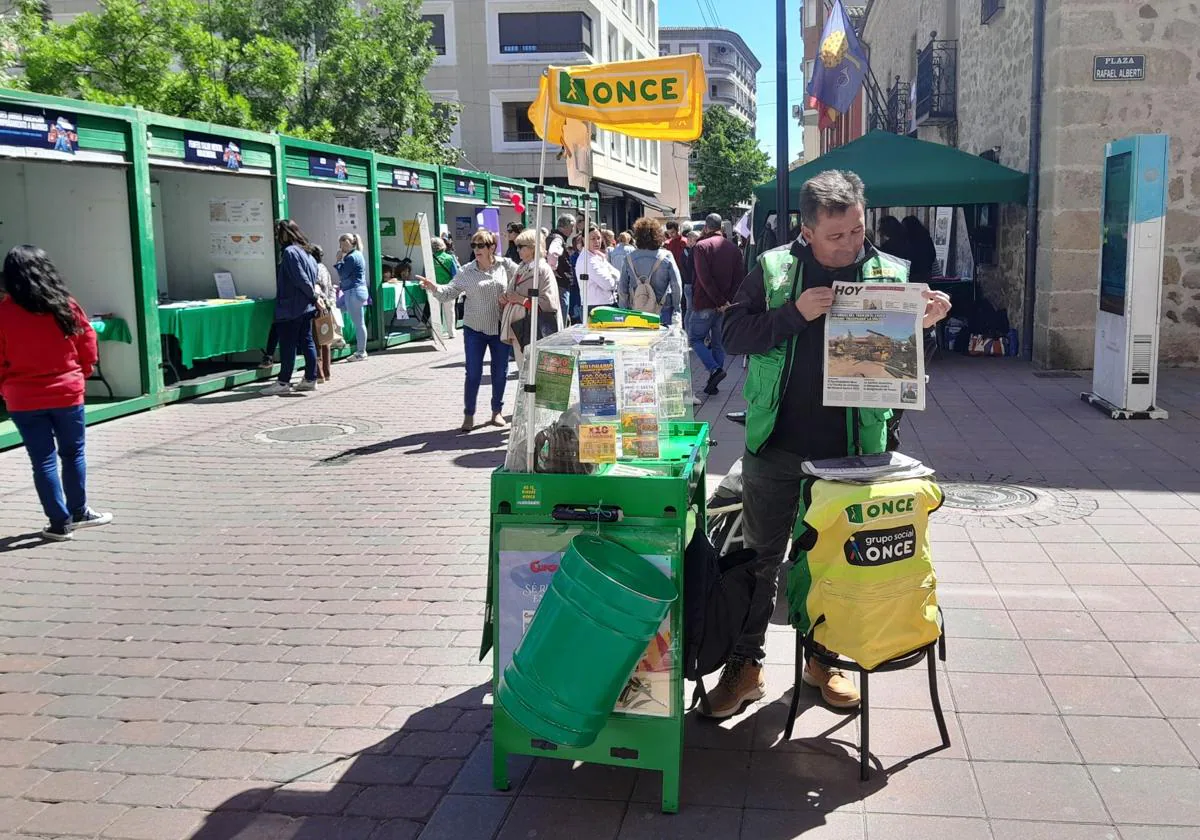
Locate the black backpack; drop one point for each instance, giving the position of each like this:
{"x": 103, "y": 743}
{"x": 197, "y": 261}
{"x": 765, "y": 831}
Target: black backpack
{"x": 717, "y": 594}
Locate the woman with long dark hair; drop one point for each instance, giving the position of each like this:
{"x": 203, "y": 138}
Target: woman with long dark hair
{"x": 295, "y": 308}
{"x": 47, "y": 351}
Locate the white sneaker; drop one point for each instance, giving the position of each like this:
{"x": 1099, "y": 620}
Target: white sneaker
{"x": 91, "y": 519}
{"x": 276, "y": 389}
{"x": 306, "y": 385}
{"x": 358, "y": 357}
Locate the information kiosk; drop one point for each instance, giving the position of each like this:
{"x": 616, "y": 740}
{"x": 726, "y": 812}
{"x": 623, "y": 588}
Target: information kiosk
{"x": 405, "y": 189}
{"x": 213, "y": 196}
{"x": 1133, "y": 215}
{"x": 329, "y": 194}
{"x": 66, "y": 186}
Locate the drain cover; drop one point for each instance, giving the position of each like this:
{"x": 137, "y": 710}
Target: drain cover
{"x": 304, "y": 433}
{"x": 988, "y": 497}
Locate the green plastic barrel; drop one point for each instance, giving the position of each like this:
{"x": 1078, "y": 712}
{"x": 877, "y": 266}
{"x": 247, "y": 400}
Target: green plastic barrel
{"x": 603, "y": 606}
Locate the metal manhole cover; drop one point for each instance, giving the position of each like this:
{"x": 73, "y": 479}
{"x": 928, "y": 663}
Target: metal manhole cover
{"x": 988, "y": 497}
{"x": 304, "y": 433}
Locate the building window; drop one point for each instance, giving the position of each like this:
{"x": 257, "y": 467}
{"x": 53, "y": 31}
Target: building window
{"x": 628, "y": 51}
{"x": 641, "y": 14}
{"x": 651, "y": 21}
{"x": 437, "y": 38}
{"x": 613, "y": 44}
{"x": 664, "y": 49}
{"x": 627, "y": 8}
{"x": 810, "y": 13}
{"x": 990, "y": 9}
{"x": 686, "y": 49}
{"x": 655, "y": 154}
{"x": 545, "y": 32}
{"x": 517, "y": 127}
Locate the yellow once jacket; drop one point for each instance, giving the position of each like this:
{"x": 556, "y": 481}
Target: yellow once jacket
{"x": 865, "y": 575}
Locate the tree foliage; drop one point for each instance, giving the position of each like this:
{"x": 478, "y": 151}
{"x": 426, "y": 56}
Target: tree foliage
{"x": 328, "y": 70}
{"x": 729, "y": 163}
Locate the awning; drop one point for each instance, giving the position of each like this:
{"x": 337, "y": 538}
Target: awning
{"x": 905, "y": 172}
{"x": 611, "y": 191}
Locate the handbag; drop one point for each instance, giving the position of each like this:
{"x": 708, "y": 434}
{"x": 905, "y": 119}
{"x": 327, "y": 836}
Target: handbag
{"x": 324, "y": 326}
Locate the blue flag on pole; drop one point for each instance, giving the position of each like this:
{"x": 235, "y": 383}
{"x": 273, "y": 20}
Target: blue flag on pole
{"x": 838, "y": 68}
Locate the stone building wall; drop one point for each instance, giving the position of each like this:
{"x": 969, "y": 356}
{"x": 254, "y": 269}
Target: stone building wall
{"x": 1079, "y": 117}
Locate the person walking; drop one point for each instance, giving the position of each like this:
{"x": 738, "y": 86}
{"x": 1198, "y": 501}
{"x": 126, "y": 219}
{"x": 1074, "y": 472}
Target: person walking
{"x": 601, "y": 275}
{"x": 326, "y": 302}
{"x": 482, "y": 283}
{"x": 624, "y": 246}
{"x": 296, "y": 299}
{"x": 512, "y": 231}
{"x": 515, "y": 321}
{"x": 47, "y": 351}
{"x": 687, "y": 273}
{"x": 718, "y": 274}
{"x": 651, "y": 265}
{"x": 352, "y": 274}
{"x": 444, "y": 270}
{"x": 558, "y": 257}
{"x": 778, "y": 320}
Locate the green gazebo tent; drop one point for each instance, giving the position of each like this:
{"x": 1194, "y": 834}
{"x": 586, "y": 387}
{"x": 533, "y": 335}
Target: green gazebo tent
{"x": 905, "y": 172}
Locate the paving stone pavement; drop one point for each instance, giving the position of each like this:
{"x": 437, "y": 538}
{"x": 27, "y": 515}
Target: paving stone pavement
{"x": 279, "y": 639}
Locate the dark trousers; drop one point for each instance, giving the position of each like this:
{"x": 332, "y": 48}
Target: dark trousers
{"x": 50, "y": 434}
{"x": 272, "y": 342}
{"x": 324, "y": 358}
{"x": 295, "y": 336}
{"x": 770, "y": 501}
{"x": 475, "y": 344}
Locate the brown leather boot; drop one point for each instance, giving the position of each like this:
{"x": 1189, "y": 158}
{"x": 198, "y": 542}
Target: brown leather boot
{"x": 836, "y": 688}
{"x": 741, "y": 682}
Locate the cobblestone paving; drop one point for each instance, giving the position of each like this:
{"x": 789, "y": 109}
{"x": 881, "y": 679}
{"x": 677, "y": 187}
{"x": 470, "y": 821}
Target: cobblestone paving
{"x": 279, "y": 639}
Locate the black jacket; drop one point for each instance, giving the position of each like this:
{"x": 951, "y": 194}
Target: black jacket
{"x": 803, "y": 426}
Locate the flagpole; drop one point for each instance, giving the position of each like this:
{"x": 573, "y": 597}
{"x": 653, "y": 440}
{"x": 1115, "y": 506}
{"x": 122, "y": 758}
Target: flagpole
{"x": 782, "y": 116}
{"x": 531, "y": 350}
{"x": 587, "y": 241}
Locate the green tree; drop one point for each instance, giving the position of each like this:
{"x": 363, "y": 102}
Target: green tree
{"x": 729, "y": 163}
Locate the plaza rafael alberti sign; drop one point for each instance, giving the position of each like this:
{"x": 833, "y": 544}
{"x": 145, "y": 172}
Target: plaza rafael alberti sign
{"x": 1119, "y": 68}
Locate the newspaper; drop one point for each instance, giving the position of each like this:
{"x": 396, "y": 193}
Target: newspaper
{"x": 874, "y": 346}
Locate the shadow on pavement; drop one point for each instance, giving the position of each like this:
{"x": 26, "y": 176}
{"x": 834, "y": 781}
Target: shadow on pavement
{"x": 448, "y": 441}
{"x": 385, "y": 788}
{"x": 22, "y": 541}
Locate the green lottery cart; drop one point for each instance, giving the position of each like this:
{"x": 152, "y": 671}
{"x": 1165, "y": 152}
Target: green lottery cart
{"x": 638, "y": 482}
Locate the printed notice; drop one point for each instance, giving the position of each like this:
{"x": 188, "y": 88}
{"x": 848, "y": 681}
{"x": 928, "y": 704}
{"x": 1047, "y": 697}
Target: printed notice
{"x": 555, "y": 372}
{"x": 874, "y": 348}
{"x": 598, "y": 443}
{"x": 598, "y": 387}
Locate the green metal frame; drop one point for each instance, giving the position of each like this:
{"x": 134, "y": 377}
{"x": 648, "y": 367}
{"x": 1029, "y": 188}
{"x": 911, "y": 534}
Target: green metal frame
{"x": 495, "y": 182}
{"x": 383, "y": 166}
{"x": 355, "y": 159}
{"x": 661, "y": 503}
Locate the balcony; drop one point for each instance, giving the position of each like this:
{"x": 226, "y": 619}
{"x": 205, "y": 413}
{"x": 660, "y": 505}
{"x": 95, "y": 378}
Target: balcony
{"x": 937, "y": 82}
{"x": 898, "y": 116}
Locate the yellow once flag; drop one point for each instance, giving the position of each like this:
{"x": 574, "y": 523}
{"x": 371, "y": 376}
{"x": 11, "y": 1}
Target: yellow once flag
{"x": 654, "y": 99}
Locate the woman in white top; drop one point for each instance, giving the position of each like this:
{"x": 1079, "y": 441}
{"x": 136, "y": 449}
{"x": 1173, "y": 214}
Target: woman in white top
{"x": 483, "y": 283}
{"x": 514, "y": 329}
{"x": 602, "y": 275}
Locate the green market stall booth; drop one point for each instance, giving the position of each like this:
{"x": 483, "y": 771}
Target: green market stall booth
{"x": 403, "y": 190}
{"x": 329, "y": 192}
{"x": 628, "y": 400}
{"x": 464, "y": 194}
{"x": 213, "y": 195}
{"x": 68, "y": 184}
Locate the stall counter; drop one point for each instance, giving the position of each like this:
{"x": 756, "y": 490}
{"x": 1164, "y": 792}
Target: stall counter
{"x": 210, "y": 328}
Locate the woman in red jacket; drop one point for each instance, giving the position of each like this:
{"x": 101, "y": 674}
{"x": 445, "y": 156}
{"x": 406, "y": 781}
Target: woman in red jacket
{"x": 47, "y": 350}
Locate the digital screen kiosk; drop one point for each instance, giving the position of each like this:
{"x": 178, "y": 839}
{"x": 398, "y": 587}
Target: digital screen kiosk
{"x": 65, "y": 187}
{"x": 328, "y": 194}
{"x": 1133, "y": 212}
{"x": 213, "y": 208}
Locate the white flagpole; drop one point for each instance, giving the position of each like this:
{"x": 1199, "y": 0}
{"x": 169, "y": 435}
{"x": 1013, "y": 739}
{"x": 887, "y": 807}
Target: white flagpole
{"x": 531, "y": 350}
{"x": 587, "y": 241}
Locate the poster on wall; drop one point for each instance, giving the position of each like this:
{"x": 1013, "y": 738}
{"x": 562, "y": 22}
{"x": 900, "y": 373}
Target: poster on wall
{"x": 941, "y": 240}
{"x": 489, "y": 219}
{"x": 406, "y": 179}
{"x": 38, "y": 129}
{"x": 324, "y": 166}
{"x": 462, "y": 228}
{"x": 238, "y": 228}
{"x": 465, "y": 186}
{"x": 345, "y": 213}
{"x": 412, "y": 232}
{"x": 206, "y": 150}
{"x": 387, "y": 225}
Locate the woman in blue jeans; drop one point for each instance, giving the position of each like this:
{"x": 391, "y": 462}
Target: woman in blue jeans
{"x": 47, "y": 351}
{"x": 482, "y": 282}
{"x": 352, "y": 274}
{"x": 295, "y": 308}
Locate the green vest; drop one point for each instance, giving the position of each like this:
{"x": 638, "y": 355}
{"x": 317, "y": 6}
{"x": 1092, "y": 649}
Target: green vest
{"x": 766, "y": 379}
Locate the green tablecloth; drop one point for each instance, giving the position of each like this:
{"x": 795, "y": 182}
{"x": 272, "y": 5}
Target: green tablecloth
{"x": 214, "y": 329}
{"x": 112, "y": 329}
{"x": 413, "y": 293}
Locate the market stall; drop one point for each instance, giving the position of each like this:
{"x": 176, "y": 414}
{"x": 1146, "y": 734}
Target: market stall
{"x": 213, "y": 196}
{"x": 404, "y": 190}
{"x": 464, "y": 194}
{"x": 67, "y": 186}
{"x": 329, "y": 194}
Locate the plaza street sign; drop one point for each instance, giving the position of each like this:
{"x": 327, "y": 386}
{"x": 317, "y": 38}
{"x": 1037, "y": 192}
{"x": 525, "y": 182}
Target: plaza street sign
{"x": 1119, "y": 68}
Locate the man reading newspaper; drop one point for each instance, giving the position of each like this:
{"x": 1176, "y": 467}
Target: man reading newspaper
{"x": 778, "y": 320}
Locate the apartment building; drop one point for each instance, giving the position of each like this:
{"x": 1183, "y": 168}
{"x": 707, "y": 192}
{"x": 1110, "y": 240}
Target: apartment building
{"x": 730, "y": 66}
{"x": 968, "y": 66}
{"x": 491, "y": 54}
